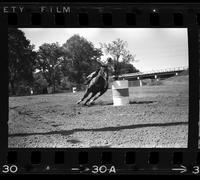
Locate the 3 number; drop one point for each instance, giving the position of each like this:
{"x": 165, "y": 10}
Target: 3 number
{"x": 196, "y": 170}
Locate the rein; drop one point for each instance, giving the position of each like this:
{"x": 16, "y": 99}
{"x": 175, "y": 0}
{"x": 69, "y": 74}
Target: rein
{"x": 103, "y": 74}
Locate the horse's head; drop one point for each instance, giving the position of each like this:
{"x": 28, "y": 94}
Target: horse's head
{"x": 104, "y": 71}
{"x": 110, "y": 65}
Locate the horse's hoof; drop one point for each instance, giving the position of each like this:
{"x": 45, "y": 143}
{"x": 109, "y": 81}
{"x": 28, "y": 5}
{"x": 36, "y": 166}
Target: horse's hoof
{"x": 78, "y": 102}
{"x": 91, "y": 103}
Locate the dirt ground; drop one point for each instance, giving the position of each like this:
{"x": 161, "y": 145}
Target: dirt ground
{"x": 156, "y": 117}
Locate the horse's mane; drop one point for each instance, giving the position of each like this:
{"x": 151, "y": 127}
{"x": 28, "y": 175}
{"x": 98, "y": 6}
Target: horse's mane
{"x": 103, "y": 73}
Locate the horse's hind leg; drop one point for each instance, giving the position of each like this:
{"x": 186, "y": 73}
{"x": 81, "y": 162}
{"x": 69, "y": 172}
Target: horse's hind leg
{"x": 85, "y": 95}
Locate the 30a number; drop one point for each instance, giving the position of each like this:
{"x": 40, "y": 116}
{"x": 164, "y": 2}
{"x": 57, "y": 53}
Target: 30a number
{"x": 10, "y": 169}
{"x": 103, "y": 169}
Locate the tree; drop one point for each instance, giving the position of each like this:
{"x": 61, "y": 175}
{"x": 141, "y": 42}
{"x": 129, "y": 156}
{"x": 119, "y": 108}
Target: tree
{"x": 40, "y": 83}
{"x": 21, "y": 60}
{"x": 49, "y": 62}
{"x": 118, "y": 51}
{"x": 126, "y": 68}
{"x": 81, "y": 58}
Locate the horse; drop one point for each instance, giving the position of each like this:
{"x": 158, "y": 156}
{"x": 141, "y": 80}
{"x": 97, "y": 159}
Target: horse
{"x": 97, "y": 83}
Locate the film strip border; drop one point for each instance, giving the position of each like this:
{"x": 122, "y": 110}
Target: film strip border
{"x": 103, "y": 162}
{"x": 101, "y": 15}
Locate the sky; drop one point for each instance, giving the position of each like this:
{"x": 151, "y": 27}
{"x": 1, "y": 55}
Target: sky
{"x": 155, "y": 48}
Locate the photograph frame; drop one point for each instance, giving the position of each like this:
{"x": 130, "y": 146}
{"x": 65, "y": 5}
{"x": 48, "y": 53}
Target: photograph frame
{"x": 189, "y": 154}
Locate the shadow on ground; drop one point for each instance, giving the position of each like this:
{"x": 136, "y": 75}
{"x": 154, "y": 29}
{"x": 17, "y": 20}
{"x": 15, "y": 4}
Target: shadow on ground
{"x": 100, "y": 146}
{"x": 74, "y": 141}
{"x": 131, "y": 102}
{"x": 118, "y": 128}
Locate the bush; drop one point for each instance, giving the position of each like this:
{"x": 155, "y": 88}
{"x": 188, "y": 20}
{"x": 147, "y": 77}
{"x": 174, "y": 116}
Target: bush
{"x": 40, "y": 84}
{"x": 23, "y": 89}
{"x": 67, "y": 85}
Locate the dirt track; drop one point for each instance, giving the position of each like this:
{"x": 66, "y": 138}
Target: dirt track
{"x": 156, "y": 117}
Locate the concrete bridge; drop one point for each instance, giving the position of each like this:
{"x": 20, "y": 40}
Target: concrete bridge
{"x": 154, "y": 75}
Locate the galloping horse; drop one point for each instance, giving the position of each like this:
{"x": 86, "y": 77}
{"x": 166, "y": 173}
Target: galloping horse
{"x": 97, "y": 83}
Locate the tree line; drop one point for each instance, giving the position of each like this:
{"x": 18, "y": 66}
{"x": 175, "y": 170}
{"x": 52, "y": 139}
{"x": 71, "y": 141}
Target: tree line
{"x": 55, "y": 68}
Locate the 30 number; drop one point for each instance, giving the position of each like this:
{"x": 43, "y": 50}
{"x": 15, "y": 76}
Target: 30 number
{"x": 10, "y": 169}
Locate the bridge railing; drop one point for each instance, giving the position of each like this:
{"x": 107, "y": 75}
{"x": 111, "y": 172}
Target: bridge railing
{"x": 156, "y": 71}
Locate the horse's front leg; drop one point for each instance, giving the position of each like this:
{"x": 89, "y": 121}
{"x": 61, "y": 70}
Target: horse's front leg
{"x": 85, "y": 95}
{"x": 93, "y": 94}
{"x": 101, "y": 93}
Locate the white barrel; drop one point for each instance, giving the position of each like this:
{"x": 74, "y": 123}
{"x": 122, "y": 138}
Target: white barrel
{"x": 120, "y": 93}
{"x": 74, "y": 89}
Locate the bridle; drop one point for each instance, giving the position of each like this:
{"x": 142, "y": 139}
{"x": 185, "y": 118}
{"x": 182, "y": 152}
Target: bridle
{"x": 104, "y": 73}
